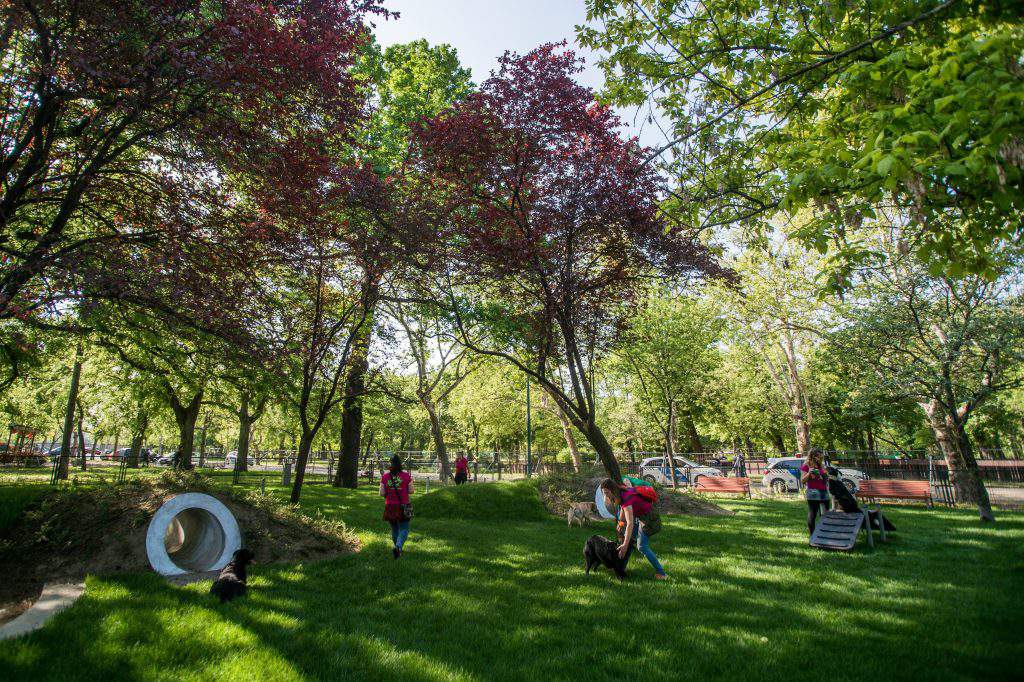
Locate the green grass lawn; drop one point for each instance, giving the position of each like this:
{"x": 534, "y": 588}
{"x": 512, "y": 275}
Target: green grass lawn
{"x": 490, "y": 588}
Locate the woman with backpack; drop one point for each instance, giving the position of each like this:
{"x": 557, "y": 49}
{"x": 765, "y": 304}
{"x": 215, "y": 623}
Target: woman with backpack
{"x": 639, "y": 521}
{"x": 395, "y": 488}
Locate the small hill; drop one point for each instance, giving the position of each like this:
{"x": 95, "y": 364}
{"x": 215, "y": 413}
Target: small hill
{"x": 518, "y": 501}
{"x": 74, "y": 531}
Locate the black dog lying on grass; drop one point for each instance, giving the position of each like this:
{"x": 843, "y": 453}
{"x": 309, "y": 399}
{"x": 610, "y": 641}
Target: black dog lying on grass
{"x": 602, "y": 551}
{"x": 231, "y": 581}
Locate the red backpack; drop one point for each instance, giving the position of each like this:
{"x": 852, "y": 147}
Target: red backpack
{"x": 647, "y": 492}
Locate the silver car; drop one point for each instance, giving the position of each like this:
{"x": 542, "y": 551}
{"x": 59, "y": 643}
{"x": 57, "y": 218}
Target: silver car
{"x": 783, "y": 475}
{"x": 654, "y": 470}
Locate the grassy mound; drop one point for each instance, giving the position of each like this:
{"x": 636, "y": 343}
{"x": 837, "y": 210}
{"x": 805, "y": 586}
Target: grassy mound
{"x": 70, "y": 532}
{"x": 14, "y": 500}
{"x": 517, "y": 501}
{"x": 560, "y": 491}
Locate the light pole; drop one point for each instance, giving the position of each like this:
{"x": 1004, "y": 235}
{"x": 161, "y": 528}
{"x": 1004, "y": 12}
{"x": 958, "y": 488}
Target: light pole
{"x": 670, "y": 457}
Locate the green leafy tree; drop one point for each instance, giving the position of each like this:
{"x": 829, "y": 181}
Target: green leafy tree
{"x": 670, "y": 352}
{"x": 836, "y": 106}
{"x": 949, "y": 344}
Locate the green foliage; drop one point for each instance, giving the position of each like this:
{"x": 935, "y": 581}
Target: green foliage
{"x": 839, "y": 106}
{"x": 937, "y": 128}
{"x": 409, "y": 82}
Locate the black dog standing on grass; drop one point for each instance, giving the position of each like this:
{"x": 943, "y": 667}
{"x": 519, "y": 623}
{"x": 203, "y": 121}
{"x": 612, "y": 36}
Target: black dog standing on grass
{"x": 231, "y": 581}
{"x": 602, "y": 551}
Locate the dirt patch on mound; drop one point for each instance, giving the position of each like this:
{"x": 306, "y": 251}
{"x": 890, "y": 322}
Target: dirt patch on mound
{"x": 560, "y": 491}
{"x": 73, "y": 532}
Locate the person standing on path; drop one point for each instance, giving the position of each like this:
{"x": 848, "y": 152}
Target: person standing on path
{"x": 461, "y": 470}
{"x": 814, "y": 475}
{"x": 396, "y": 488}
{"x": 739, "y": 466}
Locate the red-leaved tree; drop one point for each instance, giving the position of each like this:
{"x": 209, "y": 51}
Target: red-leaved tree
{"x": 555, "y": 222}
{"x": 124, "y": 124}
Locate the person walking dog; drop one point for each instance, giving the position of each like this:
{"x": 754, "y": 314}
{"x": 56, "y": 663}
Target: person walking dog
{"x": 396, "y": 488}
{"x": 634, "y": 510}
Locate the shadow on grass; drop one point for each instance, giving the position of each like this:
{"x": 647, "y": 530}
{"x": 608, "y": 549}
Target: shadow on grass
{"x": 493, "y": 600}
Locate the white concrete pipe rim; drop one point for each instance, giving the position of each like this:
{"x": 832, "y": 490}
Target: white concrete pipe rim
{"x": 156, "y": 550}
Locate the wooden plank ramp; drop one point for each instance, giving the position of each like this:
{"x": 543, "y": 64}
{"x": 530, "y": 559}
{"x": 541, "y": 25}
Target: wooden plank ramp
{"x": 838, "y": 530}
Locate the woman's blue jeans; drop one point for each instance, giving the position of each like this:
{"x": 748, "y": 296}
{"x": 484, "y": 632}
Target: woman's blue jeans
{"x": 643, "y": 543}
{"x": 399, "y": 533}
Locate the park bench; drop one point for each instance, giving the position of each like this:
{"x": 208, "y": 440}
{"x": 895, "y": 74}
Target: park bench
{"x": 713, "y": 484}
{"x": 895, "y": 490}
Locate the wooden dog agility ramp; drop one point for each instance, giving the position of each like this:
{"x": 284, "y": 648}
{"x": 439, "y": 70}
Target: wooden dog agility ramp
{"x": 839, "y": 530}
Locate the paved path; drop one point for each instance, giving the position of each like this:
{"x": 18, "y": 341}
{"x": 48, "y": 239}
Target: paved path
{"x": 54, "y": 599}
{"x": 1008, "y": 495}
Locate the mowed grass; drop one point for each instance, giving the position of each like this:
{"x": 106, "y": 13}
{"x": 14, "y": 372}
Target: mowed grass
{"x": 490, "y": 588}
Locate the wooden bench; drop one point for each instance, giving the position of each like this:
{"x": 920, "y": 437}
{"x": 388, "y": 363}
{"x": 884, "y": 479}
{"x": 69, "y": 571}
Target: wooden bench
{"x": 872, "y": 489}
{"x": 714, "y": 484}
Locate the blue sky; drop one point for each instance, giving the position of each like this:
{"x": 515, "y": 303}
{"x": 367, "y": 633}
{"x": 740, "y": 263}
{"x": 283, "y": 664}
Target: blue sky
{"x": 481, "y": 31}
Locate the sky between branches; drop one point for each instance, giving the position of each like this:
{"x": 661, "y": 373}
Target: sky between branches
{"x": 481, "y": 31}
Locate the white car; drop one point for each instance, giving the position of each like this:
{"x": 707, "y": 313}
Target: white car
{"x": 654, "y": 470}
{"x": 231, "y": 457}
{"x": 783, "y": 475}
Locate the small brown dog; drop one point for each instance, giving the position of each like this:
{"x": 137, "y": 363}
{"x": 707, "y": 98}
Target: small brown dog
{"x": 581, "y": 512}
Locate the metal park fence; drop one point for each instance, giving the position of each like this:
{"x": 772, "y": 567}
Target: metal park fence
{"x": 278, "y": 466}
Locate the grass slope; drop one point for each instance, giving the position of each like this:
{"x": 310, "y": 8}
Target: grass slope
{"x": 502, "y": 595}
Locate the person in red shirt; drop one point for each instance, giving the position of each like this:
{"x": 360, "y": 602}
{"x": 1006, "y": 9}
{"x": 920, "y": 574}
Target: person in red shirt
{"x": 395, "y": 488}
{"x": 461, "y": 470}
{"x": 814, "y": 475}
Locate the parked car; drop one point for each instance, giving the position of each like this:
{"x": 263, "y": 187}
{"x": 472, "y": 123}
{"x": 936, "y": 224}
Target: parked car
{"x": 232, "y": 457}
{"x": 167, "y": 460}
{"x": 654, "y": 470}
{"x": 783, "y": 475}
{"x": 145, "y": 455}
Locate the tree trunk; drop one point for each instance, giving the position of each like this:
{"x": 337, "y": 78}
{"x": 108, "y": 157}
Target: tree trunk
{"x": 367, "y": 446}
{"x": 305, "y": 443}
{"x": 141, "y": 423}
{"x": 691, "y": 434}
{"x": 955, "y": 446}
{"x": 801, "y": 428}
{"x": 604, "y": 450}
{"x": 185, "y": 416}
{"x": 438, "y": 437}
{"x": 567, "y": 428}
{"x": 133, "y": 454}
{"x": 244, "y": 434}
{"x": 347, "y": 475}
{"x": 202, "y": 441}
{"x": 81, "y": 435}
{"x": 69, "y": 418}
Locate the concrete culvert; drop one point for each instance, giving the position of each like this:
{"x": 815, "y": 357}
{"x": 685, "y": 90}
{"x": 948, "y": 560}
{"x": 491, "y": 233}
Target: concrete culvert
{"x": 191, "y": 533}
